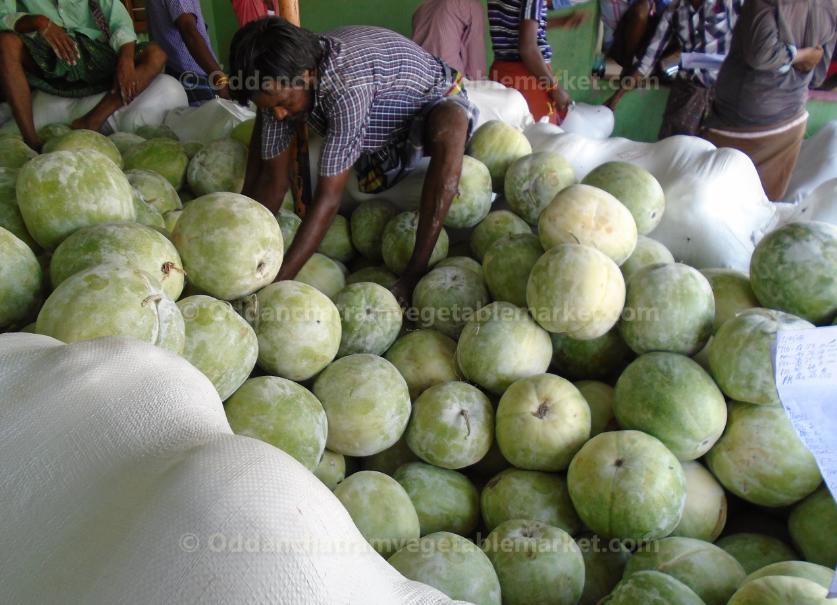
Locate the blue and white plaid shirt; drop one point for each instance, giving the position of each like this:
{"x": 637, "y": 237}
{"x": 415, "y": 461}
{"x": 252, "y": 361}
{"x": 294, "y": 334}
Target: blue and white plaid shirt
{"x": 371, "y": 83}
{"x": 707, "y": 29}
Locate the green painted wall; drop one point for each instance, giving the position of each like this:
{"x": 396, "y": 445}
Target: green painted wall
{"x": 638, "y": 116}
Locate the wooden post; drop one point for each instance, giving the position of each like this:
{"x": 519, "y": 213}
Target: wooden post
{"x": 289, "y": 9}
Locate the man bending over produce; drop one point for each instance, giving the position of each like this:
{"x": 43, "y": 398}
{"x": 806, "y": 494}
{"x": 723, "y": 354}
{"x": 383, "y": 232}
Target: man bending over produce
{"x": 379, "y": 101}
{"x": 72, "y": 48}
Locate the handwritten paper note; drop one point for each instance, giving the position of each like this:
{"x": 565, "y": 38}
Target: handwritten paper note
{"x": 806, "y": 376}
{"x": 805, "y": 365}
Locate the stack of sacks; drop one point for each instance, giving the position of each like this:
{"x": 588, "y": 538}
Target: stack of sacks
{"x": 817, "y": 164}
{"x": 140, "y": 488}
{"x": 716, "y": 209}
{"x": 593, "y": 121}
{"x": 211, "y": 121}
{"x": 496, "y": 102}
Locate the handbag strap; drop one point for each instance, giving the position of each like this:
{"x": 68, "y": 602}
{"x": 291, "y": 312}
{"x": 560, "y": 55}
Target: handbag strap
{"x": 99, "y": 18}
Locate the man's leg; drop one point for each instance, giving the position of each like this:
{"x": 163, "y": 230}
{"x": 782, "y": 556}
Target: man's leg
{"x": 630, "y": 34}
{"x": 445, "y": 136}
{"x": 14, "y": 62}
{"x": 148, "y": 66}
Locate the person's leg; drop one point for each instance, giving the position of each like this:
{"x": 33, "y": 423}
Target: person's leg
{"x": 445, "y": 134}
{"x": 776, "y": 159}
{"x": 688, "y": 101}
{"x": 149, "y": 65}
{"x": 630, "y": 34}
{"x": 14, "y": 62}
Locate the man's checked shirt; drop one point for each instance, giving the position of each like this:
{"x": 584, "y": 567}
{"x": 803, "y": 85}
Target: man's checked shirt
{"x": 707, "y": 29}
{"x": 371, "y": 83}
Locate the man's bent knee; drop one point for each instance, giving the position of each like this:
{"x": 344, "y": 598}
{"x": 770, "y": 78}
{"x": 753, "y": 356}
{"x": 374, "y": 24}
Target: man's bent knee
{"x": 154, "y": 55}
{"x": 11, "y": 46}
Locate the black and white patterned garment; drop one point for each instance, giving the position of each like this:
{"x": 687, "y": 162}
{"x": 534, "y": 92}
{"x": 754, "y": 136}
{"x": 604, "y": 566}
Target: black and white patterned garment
{"x": 707, "y": 29}
{"x": 504, "y": 19}
{"x": 372, "y": 83}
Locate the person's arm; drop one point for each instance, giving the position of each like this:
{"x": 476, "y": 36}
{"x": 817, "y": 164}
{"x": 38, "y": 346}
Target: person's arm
{"x": 267, "y": 180}
{"x": 120, "y": 24}
{"x": 476, "y": 67}
{"x": 347, "y": 121}
{"x": 10, "y": 18}
{"x": 314, "y": 226}
{"x": 187, "y": 25}
{"x": 764, "y": 46}
{"x": 653, "y": 53}
{"x": 64, "y": 47}
{"x": 125, "y": 82}
{"x": 531, "y": 57}
{"x": 821, "y": 70}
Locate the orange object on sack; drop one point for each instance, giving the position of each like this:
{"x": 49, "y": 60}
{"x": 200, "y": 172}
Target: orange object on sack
{"x": 514, "y": 74}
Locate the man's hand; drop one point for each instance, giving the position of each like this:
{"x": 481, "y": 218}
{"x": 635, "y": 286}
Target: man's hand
{"x": 403, "y": 290}
{"x": 629, "y": 82}
{"x": 614, "y": 100}
{"x": 126, "y": 84}
{"x": 221, "y": 85}
{"x": 64, "y": 47}
{"x": 807, "y": 58}
{"x": 560, "y": 98}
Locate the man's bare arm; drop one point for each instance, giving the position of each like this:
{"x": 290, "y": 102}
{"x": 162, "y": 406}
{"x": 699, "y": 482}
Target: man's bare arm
{"x": 266, "y": 181}
{"x": 315, "y": 224}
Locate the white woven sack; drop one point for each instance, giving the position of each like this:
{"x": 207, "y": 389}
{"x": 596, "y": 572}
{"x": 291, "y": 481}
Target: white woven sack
{"x": 211, "y": 121}
{"x": 148, "y": 109}
{"x": 594, "y": 121}
{"x": 819, "y": 205}
{"x": 121, "y": 482}
{"x": 817, "y": 163}
{"x": 497, "y": 102}
{"x": 716, "y": 210}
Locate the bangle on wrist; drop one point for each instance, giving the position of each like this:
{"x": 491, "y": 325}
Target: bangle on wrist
{"x": 221, "y": 81}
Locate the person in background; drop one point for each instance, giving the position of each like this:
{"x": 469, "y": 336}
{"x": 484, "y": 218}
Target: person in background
{"x": 250, "y": 10}
{"x": 779, "y": 48}
{"x": 454, "y": 31}
{"x": 72, "y": 49}
{"x": 628, "y": 26}
{"x": 701, "y": 28}
{"x": 381, "y": 103}
{"x": 522, "y": 55}
{"x": 178, "y": 27}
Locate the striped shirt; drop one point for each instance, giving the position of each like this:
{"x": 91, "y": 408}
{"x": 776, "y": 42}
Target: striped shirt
{"x": 162, "y": 15}
{"x": 371, "y": 83}
{"x": 504, "y": 19}
{"x": 707, "y": 30}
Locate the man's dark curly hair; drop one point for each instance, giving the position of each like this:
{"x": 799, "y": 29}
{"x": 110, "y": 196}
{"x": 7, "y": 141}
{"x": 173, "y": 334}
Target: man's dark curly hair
{"x": 270, "y": 48}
